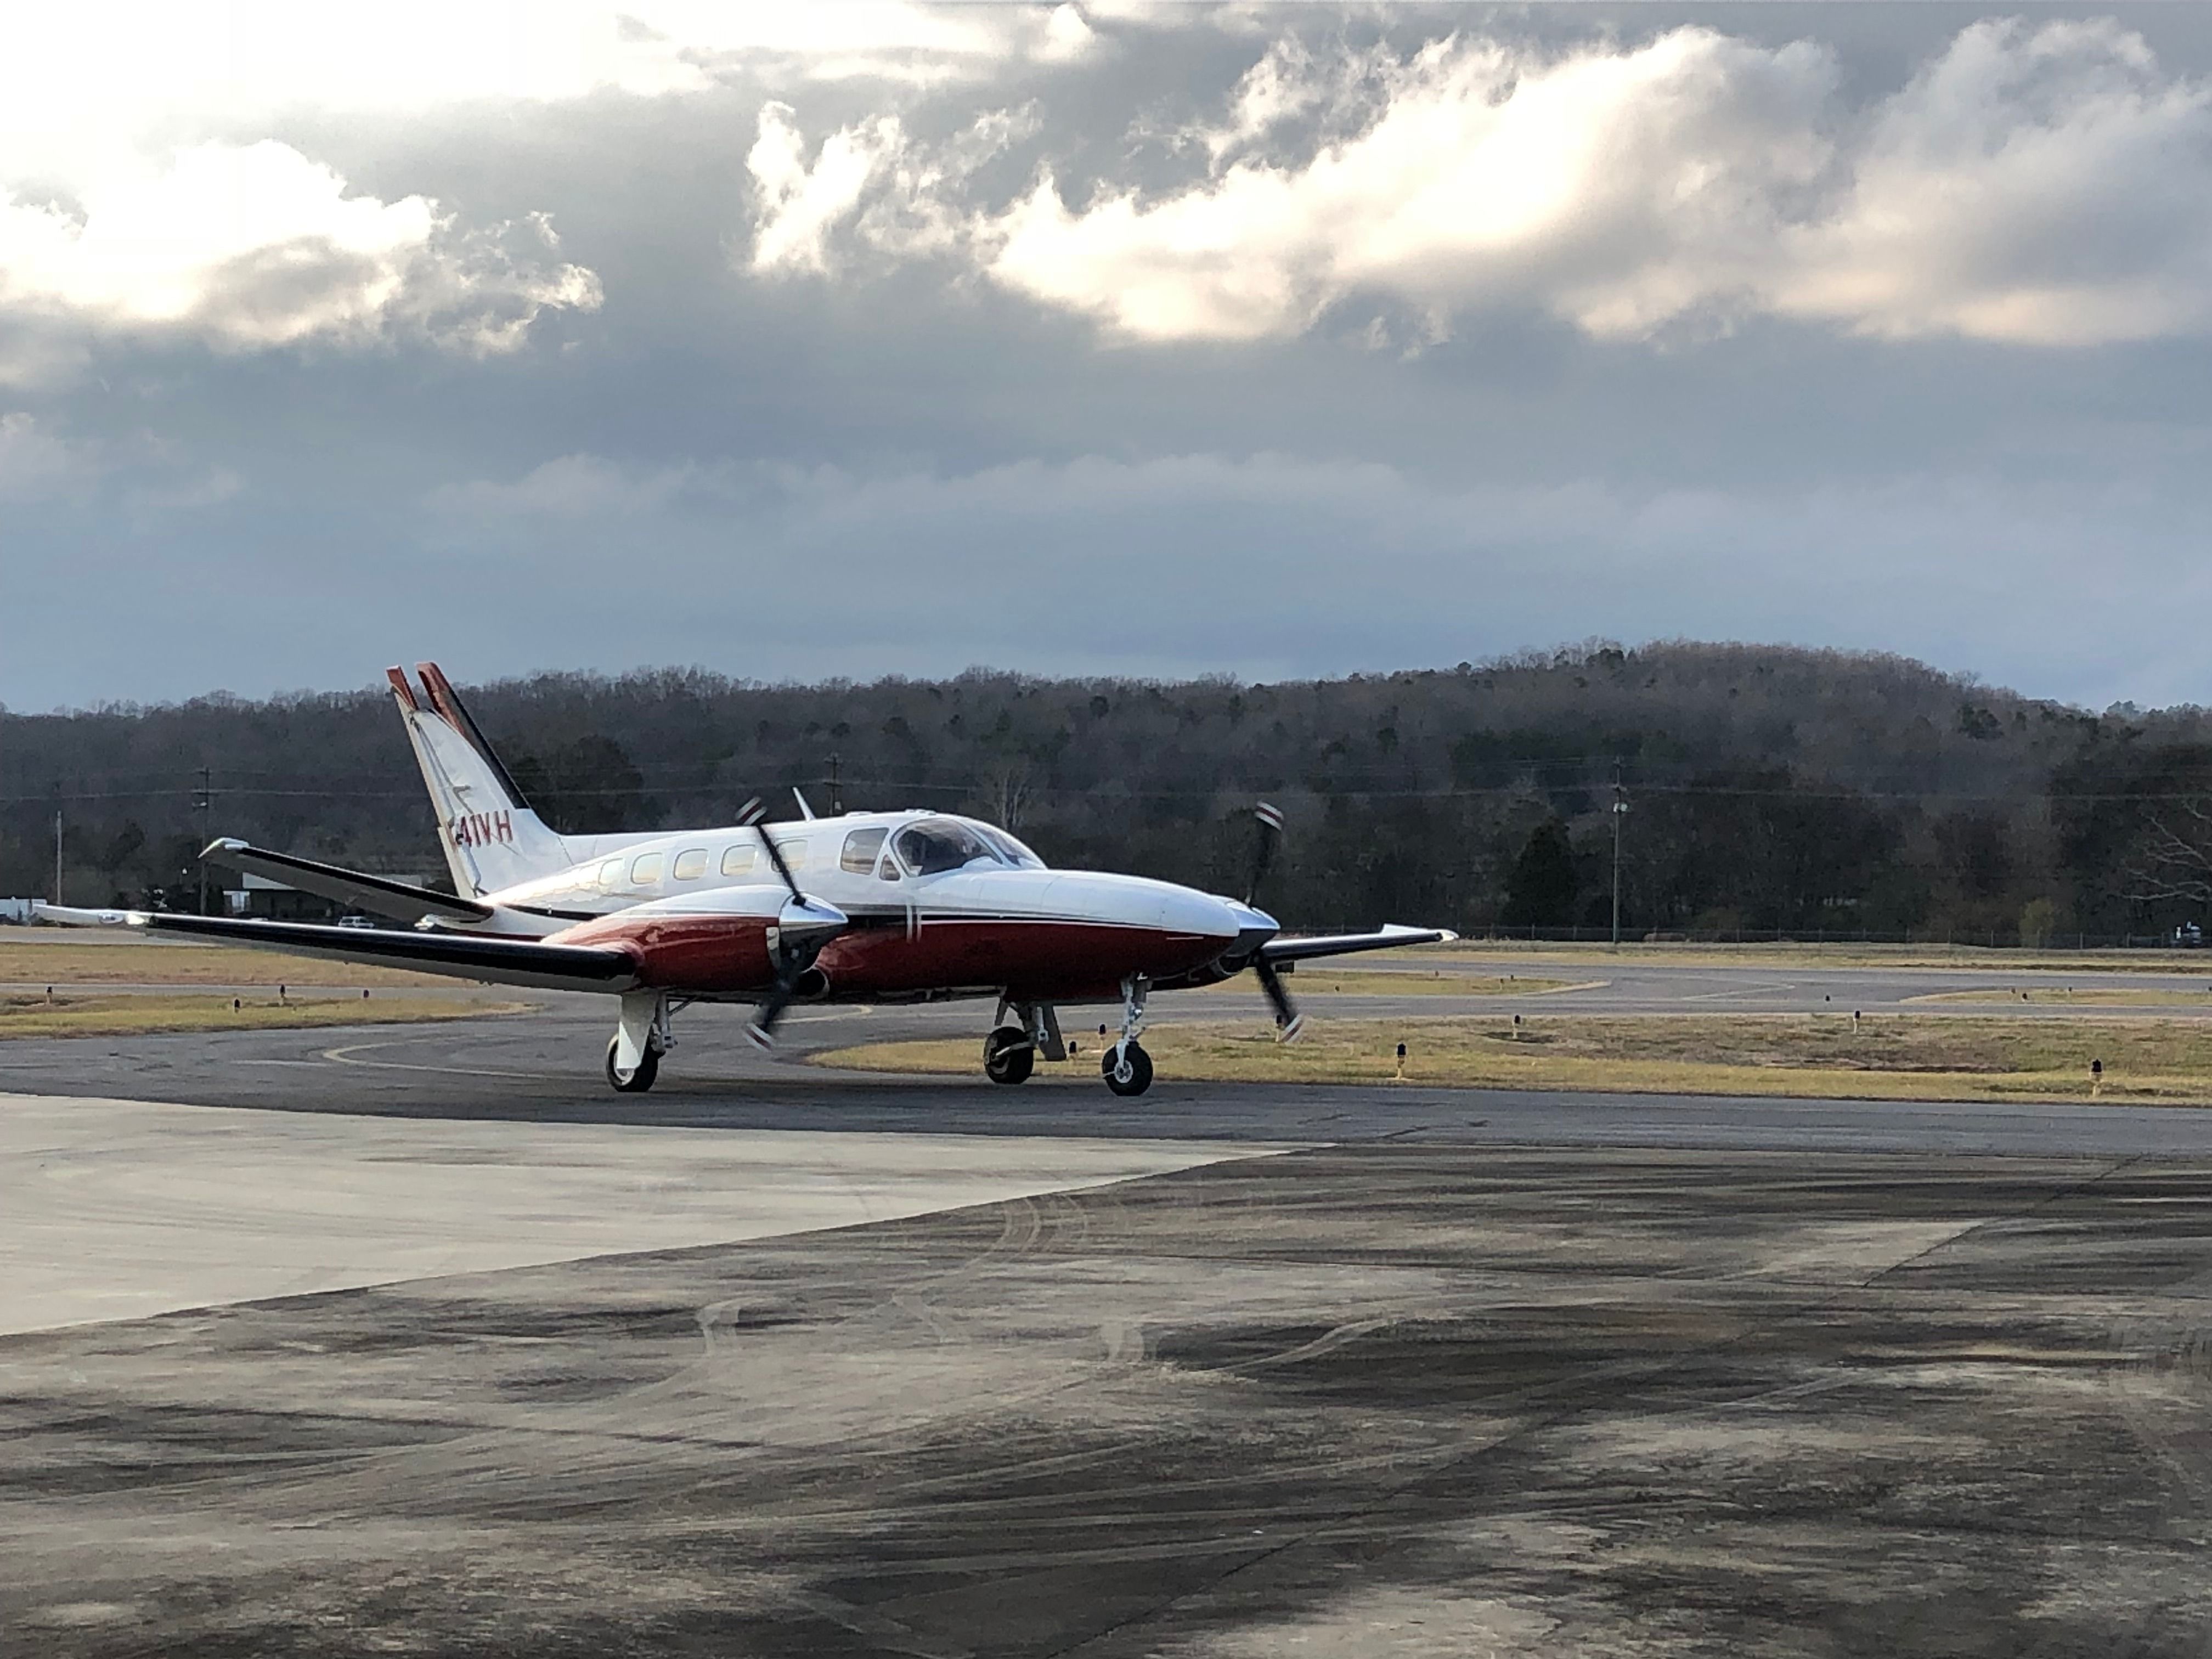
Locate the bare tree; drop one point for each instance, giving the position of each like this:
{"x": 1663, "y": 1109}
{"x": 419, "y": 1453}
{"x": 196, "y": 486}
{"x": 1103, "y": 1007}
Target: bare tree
{"x": 2172, "y": 859}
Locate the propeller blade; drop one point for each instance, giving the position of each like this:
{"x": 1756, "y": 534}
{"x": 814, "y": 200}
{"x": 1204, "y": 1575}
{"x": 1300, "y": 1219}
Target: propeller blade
{"x": 761, "y": 1028}
{"x": 1269, "y": 835}
{"x": 749, "y": 816}
{"x": 1289, "y": 1022}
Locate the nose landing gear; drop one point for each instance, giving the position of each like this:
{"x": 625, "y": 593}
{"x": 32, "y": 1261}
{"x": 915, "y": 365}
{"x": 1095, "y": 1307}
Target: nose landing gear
{"x": 1127, "y": 1067}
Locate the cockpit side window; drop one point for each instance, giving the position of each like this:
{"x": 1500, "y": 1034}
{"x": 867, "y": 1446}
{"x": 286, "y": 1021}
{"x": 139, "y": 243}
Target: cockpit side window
{"x": 860, "y": 849}
{"x": 935, "y": 845}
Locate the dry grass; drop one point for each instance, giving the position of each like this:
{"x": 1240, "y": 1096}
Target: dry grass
{"x": 2069, "y": 996}
{"x": 1486, "y": 954}
{"x": 41, "y": 956}
{"x": 24, "y": 1015}
{"x": 1400, "y": 983}
{"x": 1888, "y": 1057}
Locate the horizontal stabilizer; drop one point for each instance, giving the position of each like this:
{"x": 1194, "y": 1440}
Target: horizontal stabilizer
{"x": 460, "y": 956}
{"x": 1344, "y": 945}
{"x": 397, "y": 899}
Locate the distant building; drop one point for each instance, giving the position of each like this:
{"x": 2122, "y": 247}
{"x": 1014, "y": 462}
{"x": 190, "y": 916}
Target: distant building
{"x": 273, "y": 901}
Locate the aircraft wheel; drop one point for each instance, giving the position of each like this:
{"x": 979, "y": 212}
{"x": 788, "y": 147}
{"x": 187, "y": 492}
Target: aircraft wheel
{"x": 1127, "y": 1069}
{"x": 633, "y": 1082}
{"x": 1008, "y": 1056}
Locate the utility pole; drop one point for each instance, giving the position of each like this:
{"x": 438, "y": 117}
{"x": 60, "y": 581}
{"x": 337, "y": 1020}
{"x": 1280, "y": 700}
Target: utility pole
{"x": 57, "y": 855}
{"x": 836, "y": 795}
{"x": 203, "y": 803}
{"x": 1619, "y": 811}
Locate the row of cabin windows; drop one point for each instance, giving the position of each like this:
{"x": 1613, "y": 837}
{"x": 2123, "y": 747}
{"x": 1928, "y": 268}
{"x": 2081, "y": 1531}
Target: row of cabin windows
{"x": 691, "y": 865}
{"x": 927, "y": 848}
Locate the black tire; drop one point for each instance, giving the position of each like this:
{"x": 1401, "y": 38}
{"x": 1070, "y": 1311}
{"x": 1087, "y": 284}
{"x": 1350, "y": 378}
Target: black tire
{"x": 639, "y": 1080}
{"x": 1127, "y": 1068}
{"x": 1008, "y": 1056}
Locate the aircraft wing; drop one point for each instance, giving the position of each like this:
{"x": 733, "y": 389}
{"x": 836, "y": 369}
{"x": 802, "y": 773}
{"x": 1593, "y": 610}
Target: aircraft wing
{"x": 387, "y": 898}
{"x": 460, "y": 956}
{"x": 1342, "y": 944}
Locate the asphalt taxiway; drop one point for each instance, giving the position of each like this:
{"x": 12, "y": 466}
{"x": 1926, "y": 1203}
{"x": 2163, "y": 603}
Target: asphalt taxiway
{"x": 1329, "y": 1371}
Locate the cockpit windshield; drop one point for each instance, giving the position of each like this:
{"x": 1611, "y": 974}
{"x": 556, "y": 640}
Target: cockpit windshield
{"x": 939, "y": 844}
{"x": 1012, "y": 850}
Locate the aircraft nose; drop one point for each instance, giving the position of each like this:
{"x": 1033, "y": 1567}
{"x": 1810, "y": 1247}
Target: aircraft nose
{"x": 1189, "y": 911}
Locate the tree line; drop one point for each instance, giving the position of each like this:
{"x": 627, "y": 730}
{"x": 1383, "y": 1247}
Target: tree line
{"x": 1766, "y": 789}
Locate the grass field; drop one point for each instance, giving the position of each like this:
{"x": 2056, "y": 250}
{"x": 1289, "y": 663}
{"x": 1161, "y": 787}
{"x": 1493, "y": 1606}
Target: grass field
{"x": 1890, "y": 1057}
{"x": 2087, "y": 996}
{"x": 43, "y": 957}
{"x": 28, "y": 1015}
{"x": 1485, "y": 955}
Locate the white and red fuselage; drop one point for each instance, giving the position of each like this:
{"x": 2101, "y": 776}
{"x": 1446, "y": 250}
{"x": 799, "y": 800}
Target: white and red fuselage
{"x": 916, "y": 905}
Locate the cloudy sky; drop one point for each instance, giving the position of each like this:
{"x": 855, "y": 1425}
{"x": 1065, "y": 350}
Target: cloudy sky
{"x": 797, "y": 342}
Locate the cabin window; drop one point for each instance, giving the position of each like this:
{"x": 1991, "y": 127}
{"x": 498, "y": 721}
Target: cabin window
{"x": 738, "y": 861}
{"x": 610, "y": 875}
{"x": 645, "y": 870}
{"x": 691, "y": 864}
{"x": 794, "y": 852}
{"x": 860, "y": 849}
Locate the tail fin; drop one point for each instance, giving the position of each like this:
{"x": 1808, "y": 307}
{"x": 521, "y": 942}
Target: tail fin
{"x": 491, "y": 837}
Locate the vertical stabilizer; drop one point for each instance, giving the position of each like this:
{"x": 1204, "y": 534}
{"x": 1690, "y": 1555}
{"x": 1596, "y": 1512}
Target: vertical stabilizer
{"x": 491, "y": 838}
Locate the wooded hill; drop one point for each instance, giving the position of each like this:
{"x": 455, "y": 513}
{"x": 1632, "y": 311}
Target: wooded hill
{"x": 1768, "y": 788}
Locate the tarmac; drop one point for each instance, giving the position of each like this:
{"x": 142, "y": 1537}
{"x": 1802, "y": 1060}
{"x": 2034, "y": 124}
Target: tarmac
{"x": 778, "y": 1360}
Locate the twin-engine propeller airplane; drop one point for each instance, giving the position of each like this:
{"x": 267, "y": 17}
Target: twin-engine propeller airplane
{"x": 867, "y": 907}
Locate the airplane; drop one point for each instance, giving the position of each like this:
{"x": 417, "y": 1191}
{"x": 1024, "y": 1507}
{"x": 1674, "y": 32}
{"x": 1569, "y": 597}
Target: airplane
{"x": 909, "y": 906}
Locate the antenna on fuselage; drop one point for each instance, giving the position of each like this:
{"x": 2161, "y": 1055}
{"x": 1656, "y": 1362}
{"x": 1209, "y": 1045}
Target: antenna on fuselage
{"x": 804, "y": 810}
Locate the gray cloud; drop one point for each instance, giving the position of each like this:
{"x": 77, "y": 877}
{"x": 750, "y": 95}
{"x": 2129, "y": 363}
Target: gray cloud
{"x": 890, "y": 458}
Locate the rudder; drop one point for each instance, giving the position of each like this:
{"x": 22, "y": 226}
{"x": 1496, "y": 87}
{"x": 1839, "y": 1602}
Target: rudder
{"x": 491, "y": 838}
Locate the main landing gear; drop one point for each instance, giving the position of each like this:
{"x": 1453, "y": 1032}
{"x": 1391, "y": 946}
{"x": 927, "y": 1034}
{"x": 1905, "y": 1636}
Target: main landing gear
{"x": 643, "y": 1037}
{"x": 1010, "y": 1051}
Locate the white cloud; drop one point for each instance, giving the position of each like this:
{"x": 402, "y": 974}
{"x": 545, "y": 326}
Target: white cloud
{"x": 81, "y": 79}
{"x": 2045, "y": 186}
{"x": 257, "y": 245}
{"x": 899, "y": 193}
{"x": 2032, "y": 185}
{"x": 799, "y": 204}
{"x": 142, "y": 187}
